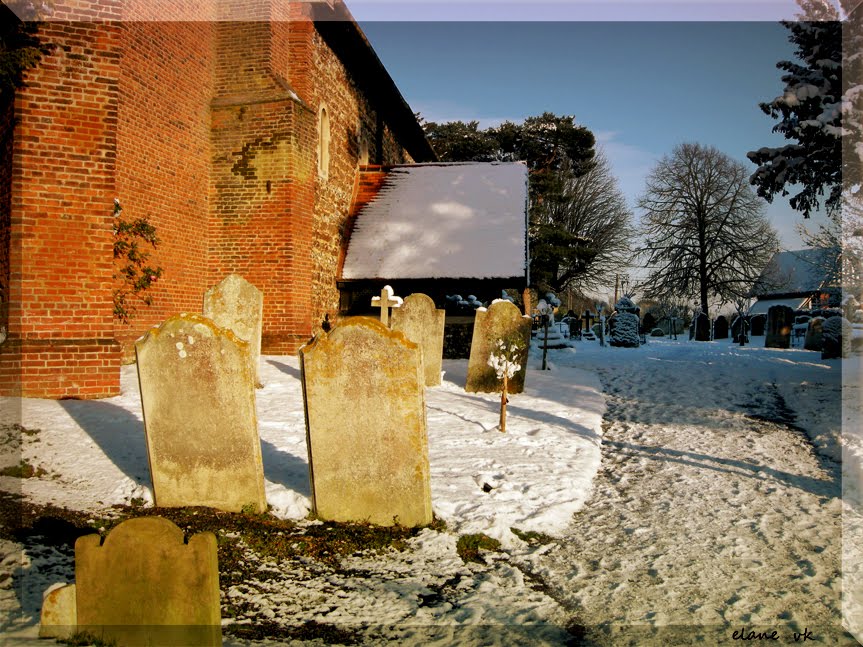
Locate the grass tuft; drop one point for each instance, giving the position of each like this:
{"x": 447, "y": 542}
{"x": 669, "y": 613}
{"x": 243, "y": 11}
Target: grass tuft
{"x": 469, "y": 547}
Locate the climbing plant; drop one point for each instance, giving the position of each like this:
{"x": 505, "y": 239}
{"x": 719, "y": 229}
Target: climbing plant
{"x": 134, "y": 277}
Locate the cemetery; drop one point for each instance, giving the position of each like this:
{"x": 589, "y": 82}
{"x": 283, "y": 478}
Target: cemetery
{"x": 344, "y": 402}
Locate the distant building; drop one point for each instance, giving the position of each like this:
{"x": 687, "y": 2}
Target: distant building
{"x": 802, "y": 280}
{"x": 443, "y": 229}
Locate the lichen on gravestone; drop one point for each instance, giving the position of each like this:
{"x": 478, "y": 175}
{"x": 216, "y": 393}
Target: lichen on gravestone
{"x": 364, "y": 396}
{"x": 198, "y": 401}
{"x": 502, "y": 321}
{"x": 423, "y": 324}
{"x": 237, "y": 305}
{"x": 144, "y": 585}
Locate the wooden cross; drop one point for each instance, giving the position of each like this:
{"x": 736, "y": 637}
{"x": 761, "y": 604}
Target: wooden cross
{"x": 385, "y": 302}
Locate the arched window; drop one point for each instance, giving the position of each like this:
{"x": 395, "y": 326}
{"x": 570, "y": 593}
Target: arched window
{"x": 363, "y": 158}
{"x": 323, "y": 143}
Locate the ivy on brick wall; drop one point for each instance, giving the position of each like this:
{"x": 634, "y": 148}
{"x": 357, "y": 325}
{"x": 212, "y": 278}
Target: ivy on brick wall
{"x": 20, "y": 48}
{"x": 131, "y": 271}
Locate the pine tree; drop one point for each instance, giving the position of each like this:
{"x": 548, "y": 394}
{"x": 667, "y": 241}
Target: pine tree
{"x": 810, "y": 117}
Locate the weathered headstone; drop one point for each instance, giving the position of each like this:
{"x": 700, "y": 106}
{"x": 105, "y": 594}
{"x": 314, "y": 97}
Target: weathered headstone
{"x": 364, "y": 396}
{"x": 720, "y": 328}
{"x": 423, "y": 324}
{"x": 757, "y": 324}
{"x": 238, "y": 305}
{"x": 198, "y": 398}
{"x": 836, "y": 338}
{"x": 780, "y": 319}
{"x": 813, "y": 338}
{"x": 502, "y": 321}
{"x": 59, "y": 617}
{"x": 386, "y": 301}
{"x": 740, "y": 326}
{"x": 146, "y": 586}
{"x": 701, "y": 325}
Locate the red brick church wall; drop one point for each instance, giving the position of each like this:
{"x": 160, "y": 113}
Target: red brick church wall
{"x": 61, "y": 333}
{"x": 163, "y": 158}
{"x": 210, "y": 129}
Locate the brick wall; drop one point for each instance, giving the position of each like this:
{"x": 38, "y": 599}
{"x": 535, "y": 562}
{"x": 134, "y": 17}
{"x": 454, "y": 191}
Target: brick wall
{"x": 6, "y": 139}
{"x": 210, "y": 129}
{"x": 163, "y": 158}
{"x": 353, "y": 121}
{"x": 64, "y": 152}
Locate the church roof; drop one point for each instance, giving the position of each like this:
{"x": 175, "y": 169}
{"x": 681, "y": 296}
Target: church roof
{"x": 798, "y": 272}
{"x": 453, "y": 221}
{"x": 341, "y": 32}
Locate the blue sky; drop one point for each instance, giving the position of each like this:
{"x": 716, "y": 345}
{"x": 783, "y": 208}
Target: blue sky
{"x": 641, "y": 87}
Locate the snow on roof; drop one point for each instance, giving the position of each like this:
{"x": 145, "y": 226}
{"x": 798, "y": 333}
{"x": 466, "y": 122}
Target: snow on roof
{"x": 761, "y": 306}
{"x": 459, "y": 220}
{"x": 801, "y": 271}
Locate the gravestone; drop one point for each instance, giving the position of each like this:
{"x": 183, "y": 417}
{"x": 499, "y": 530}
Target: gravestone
{"x": 238, "y": 305}
{"x": 146, "y": 586}
{"x": 779, "y": 322}
{"x": 835, "y": 338}
{"x": 720, "y": 328}
{"x": 738, "y": 326}
{"x": 386, "y": 301}
{"x": 198, "y": 398}
{"x": 757, "y": 324}
{"x": 59, "y": 616}
{"x": 813, "y": 339}
{"x": 501, "y": 321}
{"x": 423, "y": 324}
{"x": 364, "y": 395}
{"x": 701, "y": 324}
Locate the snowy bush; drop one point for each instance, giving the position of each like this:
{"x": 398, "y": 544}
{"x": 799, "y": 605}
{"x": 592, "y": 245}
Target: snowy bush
{"x": 625, "y": 304}
{"x": 657, "y": 332}
{"x": 625, "y": 331}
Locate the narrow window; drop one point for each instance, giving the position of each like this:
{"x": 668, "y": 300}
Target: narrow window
{"x": 323, "y": 143}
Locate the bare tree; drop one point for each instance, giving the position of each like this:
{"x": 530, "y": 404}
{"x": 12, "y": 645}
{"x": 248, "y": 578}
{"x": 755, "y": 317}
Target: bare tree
{"x": 705, "y": 229}
{"x": 597, "y": 225}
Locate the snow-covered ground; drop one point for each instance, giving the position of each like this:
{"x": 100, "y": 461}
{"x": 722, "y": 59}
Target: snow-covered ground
{"x": 710, "y": 508}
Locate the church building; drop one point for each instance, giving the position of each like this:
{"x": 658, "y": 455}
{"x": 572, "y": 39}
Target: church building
{"x": 237, "y": 127}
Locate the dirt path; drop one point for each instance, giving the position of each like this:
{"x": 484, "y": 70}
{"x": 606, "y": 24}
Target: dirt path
{"x": 707, "y": 518}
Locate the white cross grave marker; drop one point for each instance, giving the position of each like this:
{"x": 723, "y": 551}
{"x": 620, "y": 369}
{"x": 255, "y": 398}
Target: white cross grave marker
{"x": 385, "y": 302}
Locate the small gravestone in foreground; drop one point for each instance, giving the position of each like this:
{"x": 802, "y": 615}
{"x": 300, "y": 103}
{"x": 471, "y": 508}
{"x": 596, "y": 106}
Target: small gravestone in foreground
{"x": 59, "y": 617}
{"x": 238, "y": 305}
{"x": 364, "y": 395}
{"x": 423, "y": 324}
{"x": 198, "y": 399}
{"x": 780, "y": 319}
{"x": 146, "y": 586}
{"x": 502, "y": 321}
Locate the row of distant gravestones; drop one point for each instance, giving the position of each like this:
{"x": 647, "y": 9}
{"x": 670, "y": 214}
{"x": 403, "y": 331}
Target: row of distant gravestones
{"x": 777, "y": 326}
{"x": 363, "y": 390}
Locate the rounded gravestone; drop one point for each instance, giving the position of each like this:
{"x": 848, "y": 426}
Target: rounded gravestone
{"x": 780, "y": 320}
{"x": 814, "y": 338}
{"x": 836, "y": 338}
{"x": 720, "y": 328}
